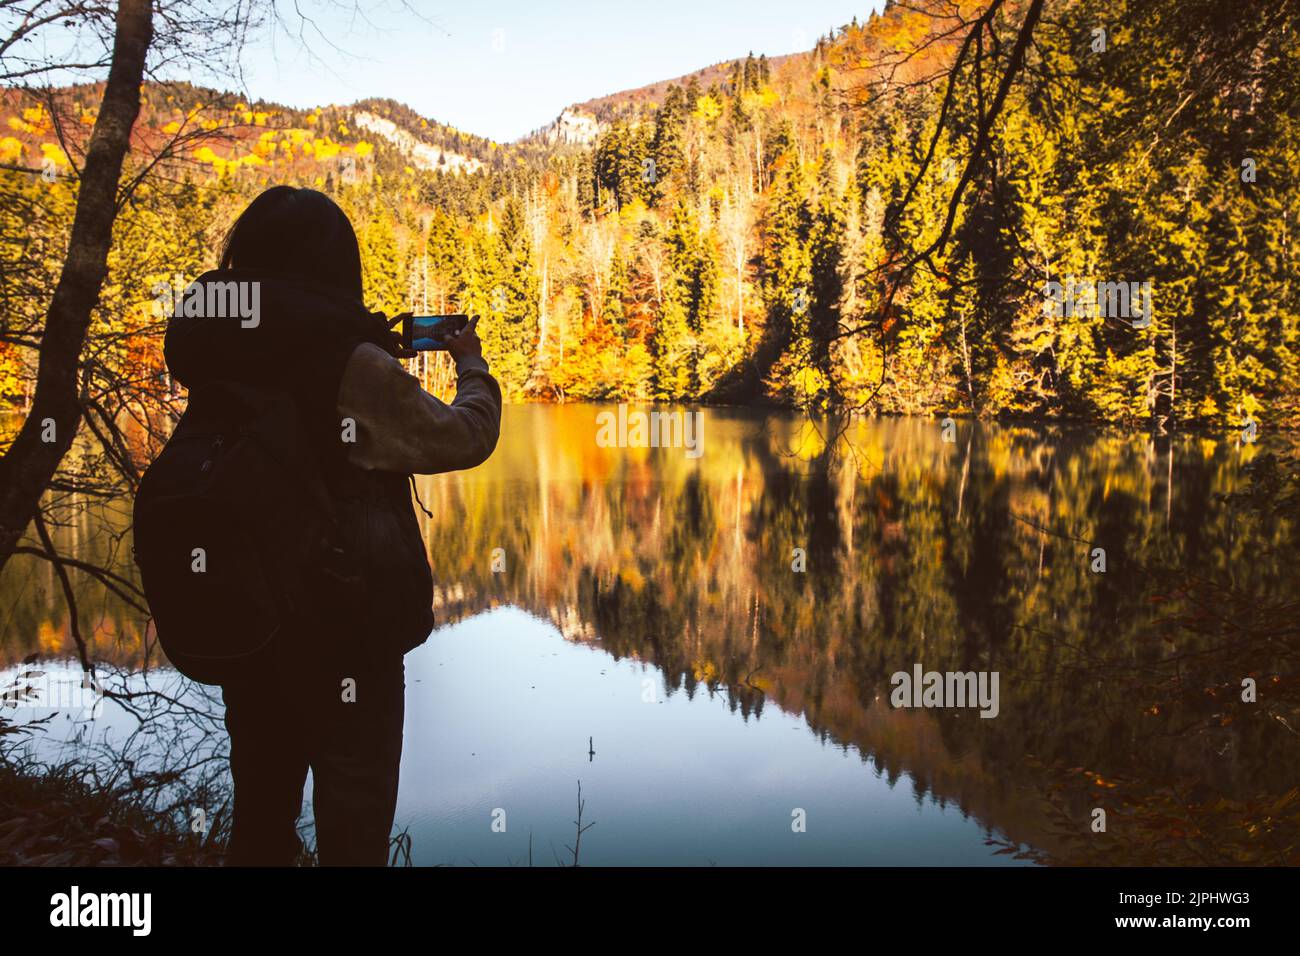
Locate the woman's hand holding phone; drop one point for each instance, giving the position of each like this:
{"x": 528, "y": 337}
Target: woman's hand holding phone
{"x": 460, "y": 343}
{"x": 465, "y": 343}
{"x": 394, "y": 343}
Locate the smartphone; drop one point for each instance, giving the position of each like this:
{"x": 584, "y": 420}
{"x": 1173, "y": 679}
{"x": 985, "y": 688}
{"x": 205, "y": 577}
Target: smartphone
{"x": 427, "y": 333}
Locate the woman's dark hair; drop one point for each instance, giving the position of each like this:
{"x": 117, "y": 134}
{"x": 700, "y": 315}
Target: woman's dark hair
{"x": 297, "y": 232}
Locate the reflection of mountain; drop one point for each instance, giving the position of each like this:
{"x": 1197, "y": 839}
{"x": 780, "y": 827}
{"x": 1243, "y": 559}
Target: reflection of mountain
{"x": 917, "y": 551}
{"x": 893, "y": 742}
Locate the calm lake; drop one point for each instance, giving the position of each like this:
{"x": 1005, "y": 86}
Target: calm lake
{"x": 706, "y": 643}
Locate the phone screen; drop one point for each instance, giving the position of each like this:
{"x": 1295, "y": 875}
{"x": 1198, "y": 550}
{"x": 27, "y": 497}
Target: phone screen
{"x": 426, "y": 333}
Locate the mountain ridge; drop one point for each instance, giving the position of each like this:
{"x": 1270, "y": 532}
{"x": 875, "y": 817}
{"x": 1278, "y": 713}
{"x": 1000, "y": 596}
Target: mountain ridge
{"x": 424, "y": 141}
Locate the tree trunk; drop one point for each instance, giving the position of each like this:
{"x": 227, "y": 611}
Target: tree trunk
{"x": 31, "y": 461}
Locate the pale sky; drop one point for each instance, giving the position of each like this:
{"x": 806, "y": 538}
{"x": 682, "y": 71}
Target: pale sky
{"x": 501, "y": 68}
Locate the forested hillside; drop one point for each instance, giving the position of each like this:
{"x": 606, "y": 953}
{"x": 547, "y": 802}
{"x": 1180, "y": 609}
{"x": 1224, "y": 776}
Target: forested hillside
{"x": 870, "y": 225}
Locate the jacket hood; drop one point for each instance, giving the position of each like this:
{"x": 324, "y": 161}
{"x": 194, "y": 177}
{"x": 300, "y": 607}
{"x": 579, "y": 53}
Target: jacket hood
{"x": 259, "y": 326}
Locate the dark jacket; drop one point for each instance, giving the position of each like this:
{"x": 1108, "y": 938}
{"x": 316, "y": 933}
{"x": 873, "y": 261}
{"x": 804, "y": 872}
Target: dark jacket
{"x": 301, "y": 343}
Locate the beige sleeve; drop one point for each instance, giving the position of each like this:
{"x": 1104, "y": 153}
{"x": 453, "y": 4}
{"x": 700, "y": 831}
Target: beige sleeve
{"x": 402, "y": 428}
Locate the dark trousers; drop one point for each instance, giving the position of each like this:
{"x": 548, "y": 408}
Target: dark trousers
{"x": 285, "y": 720}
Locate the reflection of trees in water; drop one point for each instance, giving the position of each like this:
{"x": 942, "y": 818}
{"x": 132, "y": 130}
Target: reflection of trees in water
{"x": 1210, "y": 777}
{"x": 90, "y": 534}
{"x": 972, "y": 556}
{"x": 966, "y": 556}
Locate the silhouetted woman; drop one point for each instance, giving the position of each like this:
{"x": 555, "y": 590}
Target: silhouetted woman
{"x": 333, "y": 699}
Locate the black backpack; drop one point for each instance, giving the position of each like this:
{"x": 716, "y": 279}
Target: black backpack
{"x": 235, "y": 535}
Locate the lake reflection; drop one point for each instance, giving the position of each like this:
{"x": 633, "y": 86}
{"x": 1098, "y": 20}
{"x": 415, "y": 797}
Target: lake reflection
{"x": 500, "y": 712}
{"x": 649, "y": 602}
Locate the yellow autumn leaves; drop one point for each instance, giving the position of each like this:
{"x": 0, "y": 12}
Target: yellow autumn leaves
{"x": 287, "y": 144}
{"x": 284, "y": 143}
